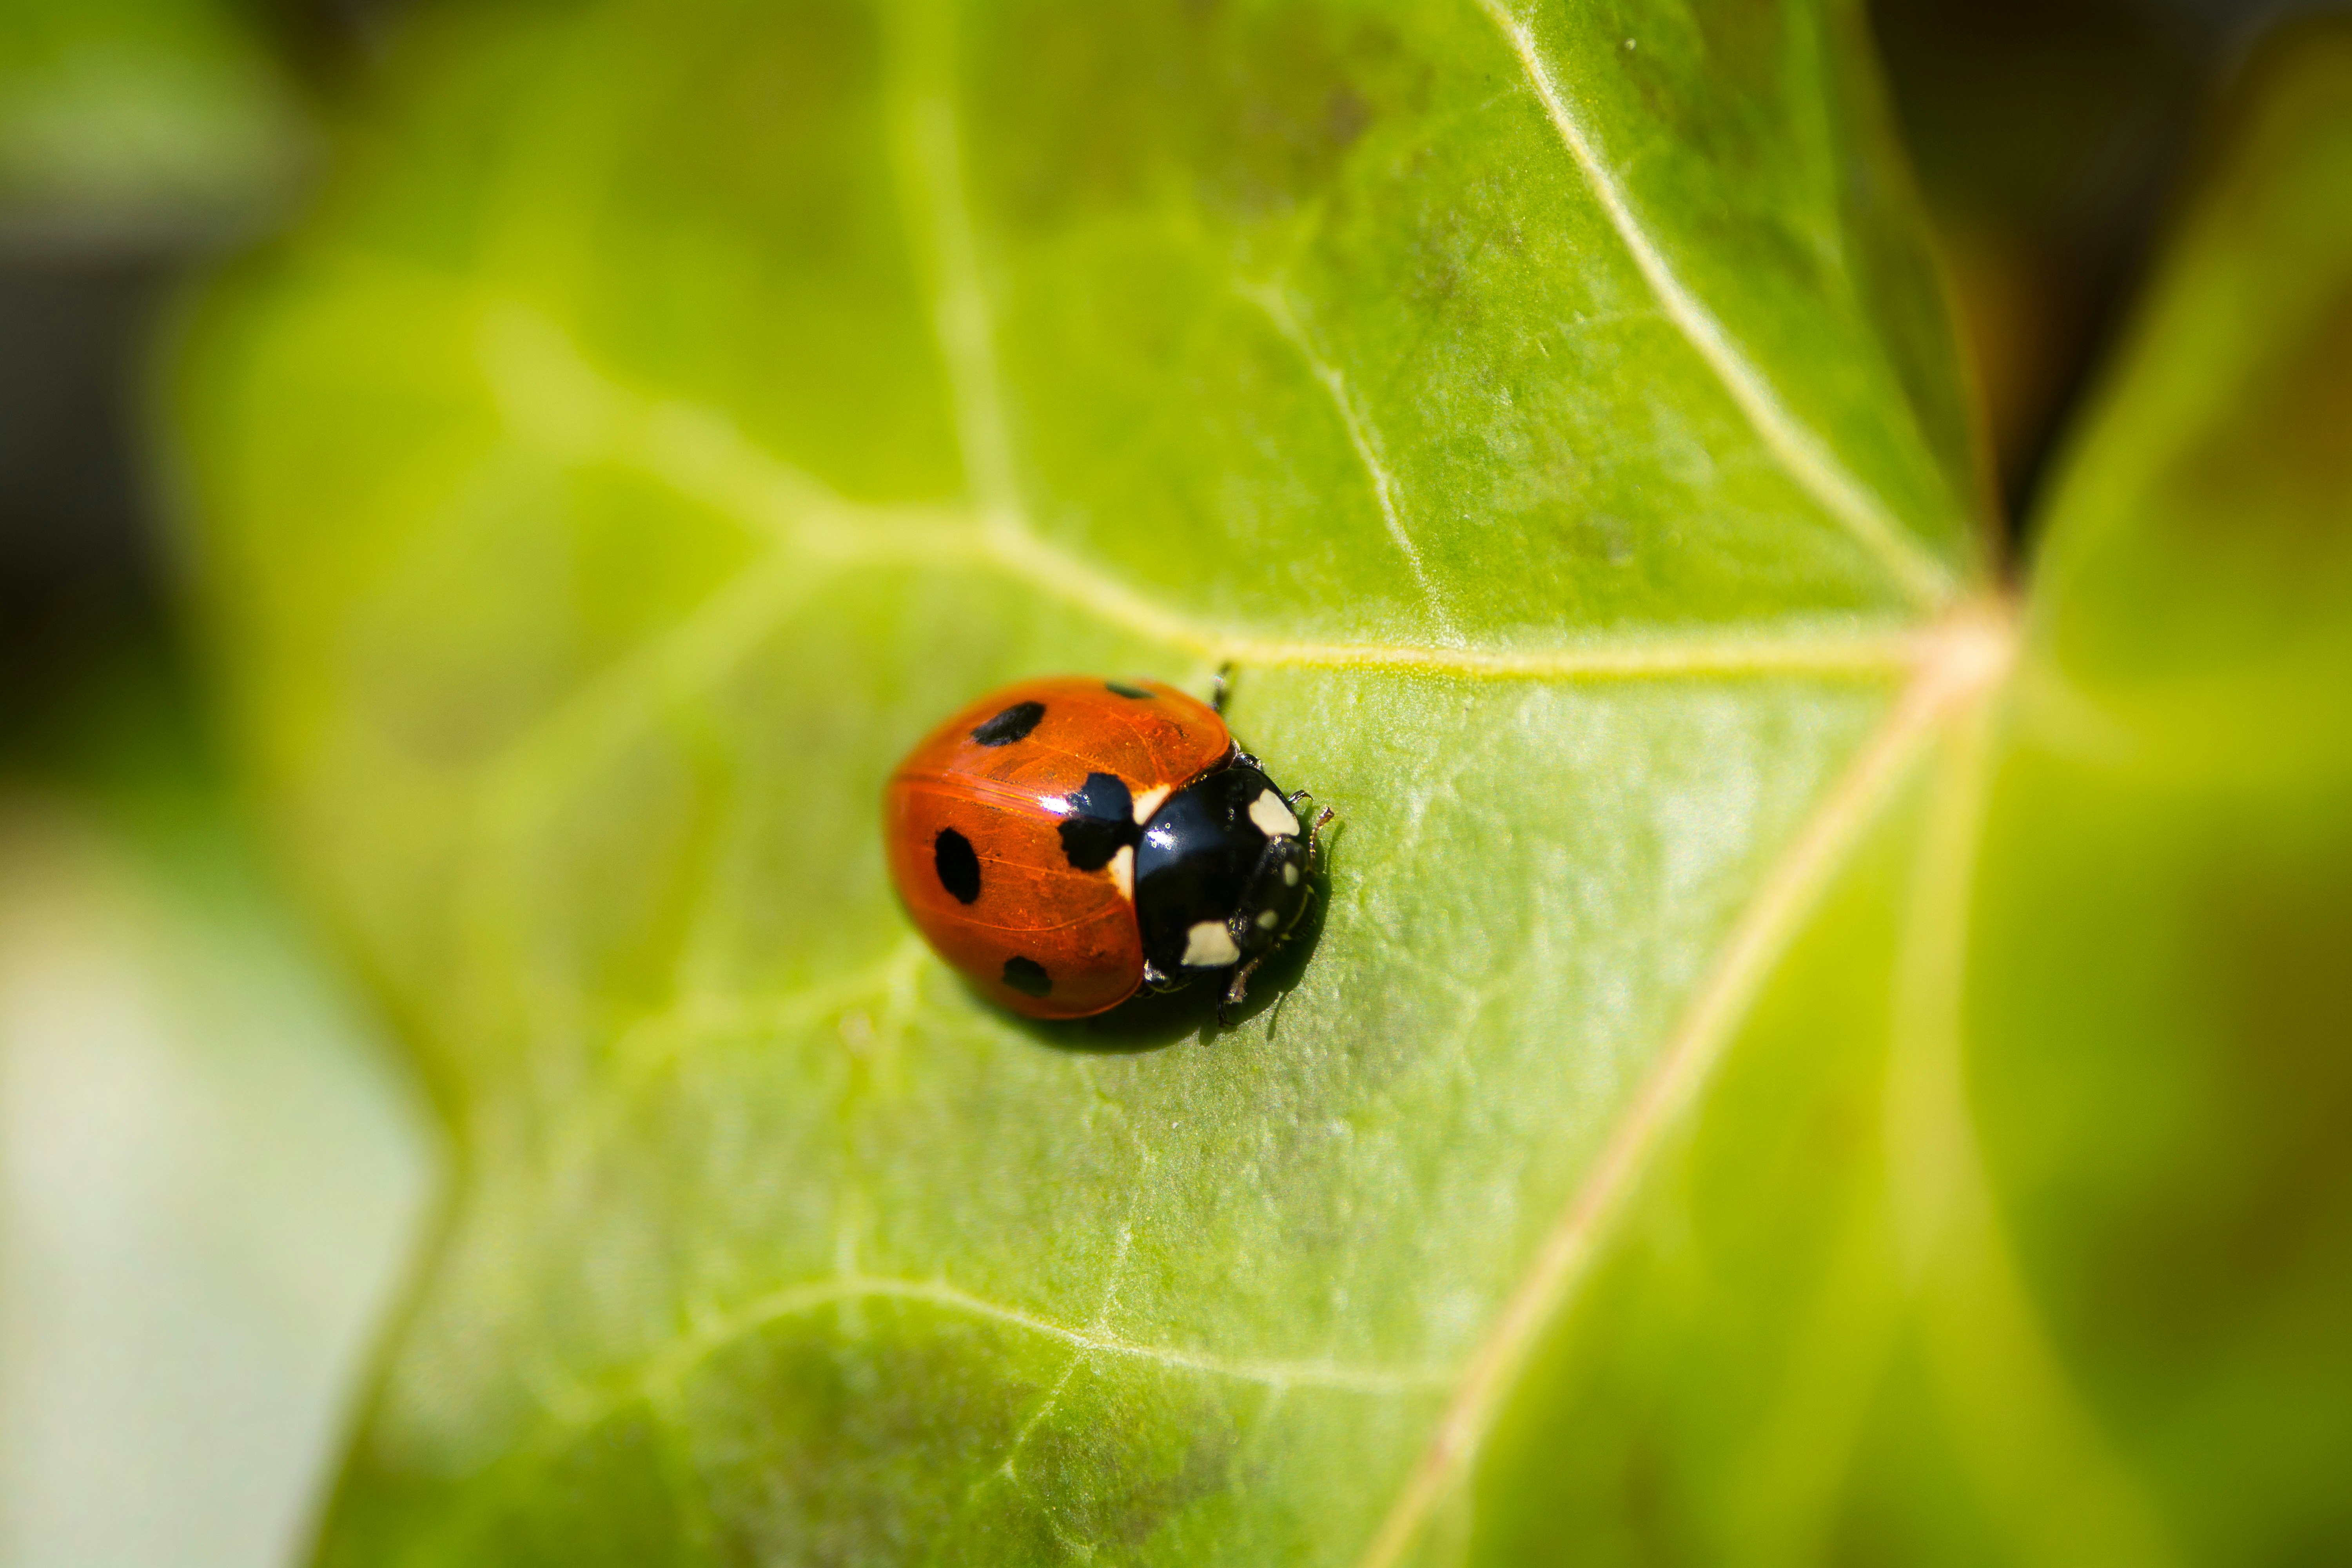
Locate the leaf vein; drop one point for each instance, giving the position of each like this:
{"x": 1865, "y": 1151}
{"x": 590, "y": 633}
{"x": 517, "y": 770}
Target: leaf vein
{"x": 700, "y": 455}
{"x": 1276, "y": 310}
{"x": 1805, "y": 456}
{"x": 959, "y": 307}
{"x": 659, "y": 1375}
{"x": 1973, "y": 651}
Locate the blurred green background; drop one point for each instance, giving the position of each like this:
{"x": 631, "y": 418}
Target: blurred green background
{"x": 214, "y": 1169}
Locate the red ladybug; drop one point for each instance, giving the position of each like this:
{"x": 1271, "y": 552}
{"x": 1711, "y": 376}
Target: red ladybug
{"x": 1068, "y": 841}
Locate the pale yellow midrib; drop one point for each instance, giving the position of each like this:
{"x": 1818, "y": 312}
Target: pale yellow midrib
{"x": 1971, "y": 656}
{"x": 700, "y": 455}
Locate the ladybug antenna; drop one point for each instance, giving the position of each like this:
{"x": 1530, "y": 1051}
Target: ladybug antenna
{"x": 1221, "y": 687}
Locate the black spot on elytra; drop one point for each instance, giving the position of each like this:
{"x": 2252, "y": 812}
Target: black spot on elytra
{"x": 1121, "y": 689}
{"x": 1101, "y": 819}
{"x": 958, "y": 866}
{"x": 1011, "y": 725}
{"x": 1027, "y": 976}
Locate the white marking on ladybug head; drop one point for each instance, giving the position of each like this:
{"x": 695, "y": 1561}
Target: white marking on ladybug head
{"x": 1273, "y": 817}
{"x": 1209, "y": 945}
{"x": 1149, "y": 802}
{"x": 1122, "y": 872}
{"x": 1290, "y": 873}
{"x": 1267, "y": 919}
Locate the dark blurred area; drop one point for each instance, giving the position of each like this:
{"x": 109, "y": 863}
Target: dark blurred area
{"x": 79, "y": 575}
{"x": 198, "y": 115}
{"x": 2048, "y": 137}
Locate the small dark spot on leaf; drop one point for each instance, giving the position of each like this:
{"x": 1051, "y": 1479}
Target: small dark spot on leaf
{"x": 1027, "y": 976}
{"x": 1345, "y": 115}
{"x": 958, "y": 866}
{"x": 1119, "y": 689}
{"x": 1011, "y": 725}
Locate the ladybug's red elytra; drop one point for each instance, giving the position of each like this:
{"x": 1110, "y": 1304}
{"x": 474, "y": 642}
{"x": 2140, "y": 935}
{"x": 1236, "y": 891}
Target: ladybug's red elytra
{"x": 1069, "y": 841}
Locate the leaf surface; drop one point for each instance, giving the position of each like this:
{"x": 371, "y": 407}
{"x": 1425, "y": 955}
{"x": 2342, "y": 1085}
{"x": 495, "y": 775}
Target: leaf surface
{"x": 673, "y": 410}
{"x": 2013, "y": 1223}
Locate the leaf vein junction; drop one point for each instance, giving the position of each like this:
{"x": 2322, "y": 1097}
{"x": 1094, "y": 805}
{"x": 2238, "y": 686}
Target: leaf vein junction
{"x": 540, "y": 377}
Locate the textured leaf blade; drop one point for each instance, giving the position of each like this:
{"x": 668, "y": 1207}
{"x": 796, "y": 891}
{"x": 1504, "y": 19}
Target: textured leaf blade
{"x": 2006, "y": 1229}
{"x": 706, "y": 401}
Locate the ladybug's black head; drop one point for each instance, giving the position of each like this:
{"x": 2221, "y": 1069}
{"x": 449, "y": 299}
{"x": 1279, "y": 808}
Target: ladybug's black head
{"x": 1220, "y": 874}
{"x": 1276, "y": 898}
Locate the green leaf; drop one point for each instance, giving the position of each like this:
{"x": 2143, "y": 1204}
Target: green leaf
{"x": 2016, "y": 1223}
{"x": 677, "y": 408}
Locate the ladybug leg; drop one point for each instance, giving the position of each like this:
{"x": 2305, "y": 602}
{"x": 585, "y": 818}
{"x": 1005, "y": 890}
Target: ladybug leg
{"x": 1237, "y": 993}
{"x": 1314, "y": 850}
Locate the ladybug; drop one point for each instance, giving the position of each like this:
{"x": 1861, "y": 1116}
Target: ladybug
{"x": 1067, "y": 842}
